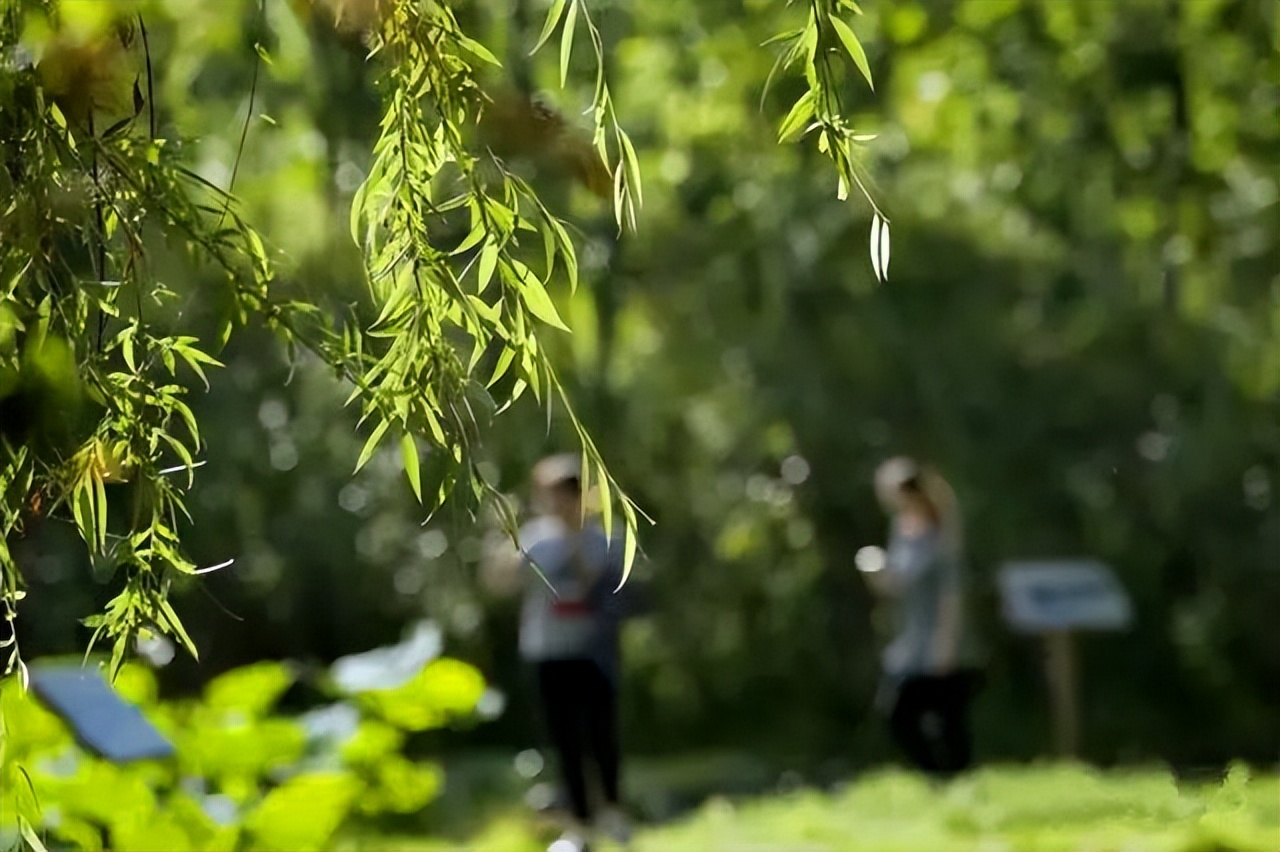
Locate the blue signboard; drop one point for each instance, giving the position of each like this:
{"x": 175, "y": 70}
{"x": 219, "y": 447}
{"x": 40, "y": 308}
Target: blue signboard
{"x": 1065, "y": 594}
{"x": 102, "y": 721}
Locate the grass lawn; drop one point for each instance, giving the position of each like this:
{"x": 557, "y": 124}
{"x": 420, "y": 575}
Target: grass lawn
{"x": 999, "y": 809}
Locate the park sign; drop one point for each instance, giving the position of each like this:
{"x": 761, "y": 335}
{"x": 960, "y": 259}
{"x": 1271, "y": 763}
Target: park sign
{"x": 1055, "y": 598}
{"x": 1045, "y": 596}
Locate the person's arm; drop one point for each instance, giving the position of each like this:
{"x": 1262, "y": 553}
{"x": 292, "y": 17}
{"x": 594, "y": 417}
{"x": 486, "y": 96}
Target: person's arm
{"x": 905, "y": 562}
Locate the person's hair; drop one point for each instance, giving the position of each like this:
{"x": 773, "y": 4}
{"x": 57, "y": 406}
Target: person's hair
{"x": 561, "y": 473}
{"x": 903, "y": 475}
{"x": 570, "y": 484}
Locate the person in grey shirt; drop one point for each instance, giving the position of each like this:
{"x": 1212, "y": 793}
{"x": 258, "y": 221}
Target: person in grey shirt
{"x": 929, "y": 666}
{"x": 569, "y": 569}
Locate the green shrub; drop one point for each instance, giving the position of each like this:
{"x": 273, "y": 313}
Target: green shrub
{"x": 1051, "y": 808}
{"x": 1039, "y": 808}
{"x": 243, "y": 776}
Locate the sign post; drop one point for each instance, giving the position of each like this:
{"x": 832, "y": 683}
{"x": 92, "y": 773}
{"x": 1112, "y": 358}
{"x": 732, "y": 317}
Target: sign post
{"x": 1064, "y": 691}
{"x": 1054, "y": 599}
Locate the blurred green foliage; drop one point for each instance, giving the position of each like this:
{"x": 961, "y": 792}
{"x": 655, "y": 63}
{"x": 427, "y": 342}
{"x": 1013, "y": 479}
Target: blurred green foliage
{"x": 1047, "y": 809}
{"x": 245, "y": 774}
{"x": 1042, "y": 808}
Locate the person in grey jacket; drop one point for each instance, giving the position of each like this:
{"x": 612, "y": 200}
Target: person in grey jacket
{"x": 929, "y": 666}
{"x": 569, "y": 569}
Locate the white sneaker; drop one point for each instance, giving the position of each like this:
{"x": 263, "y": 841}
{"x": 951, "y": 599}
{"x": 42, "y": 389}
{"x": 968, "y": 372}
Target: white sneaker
{"x": 615, "y": 825}
{"x": 570, "y": 841}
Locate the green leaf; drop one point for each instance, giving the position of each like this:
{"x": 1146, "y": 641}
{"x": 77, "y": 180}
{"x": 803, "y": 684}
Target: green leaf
{"x": 628, "y": 551}
{"x": 194, "y": 358}
{"x": 256, "y": 249}
{"x": 188, "y": 419}
{"x": 633, "y": 164}
{"x": 548, "y": 26}
{"x": 357, "y": 212}
{"x": 398, "y": 299}
{"x": 536, "y": 297}
{"x": 303, "y": 812}
{"x": 437, "y": 431}
{"x": 186, "y": 350}
{"x": 472, "y": 239}
{"x": 252, "y": 690}
{"x": 549, "y": 246}
{"x": 488, "y": 261}
{"x": 505, "y": 358}
{"x": 29, "y": 833}
{"x": 479, "y": 50}
{"x": 175, "y": 625}
{"x": 566, "y": 41}
{"x": 100, "y": 513}
{"x": 517, "y": 390}
{"x": 372, "y": 444}
{"x": 778, "y": 63}
{"x": 807, "y": 46}
{"x": 783, "y": 36}
{"x": 118, "y": 649}
{"x": 853, "y": 47}
{"x": 567, "y": 253}
{"x": 409, "y": 453}
{"x": 126, "y": 348}
{"x": 82, "y": 511}
{"x": 606, "y": 504}
{"x": 619, "y": 193}
{"x": 183, "y": 454}
{"x": 373, "y": 742}
{"x": 490, "y": 313}
{"x": 800, "y": 113}
{"x": 443, "y": 690}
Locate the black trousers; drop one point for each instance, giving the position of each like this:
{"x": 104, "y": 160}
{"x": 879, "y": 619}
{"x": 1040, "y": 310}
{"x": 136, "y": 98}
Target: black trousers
{"x": 580, "y": 710}
{"x": 930, "y": 721}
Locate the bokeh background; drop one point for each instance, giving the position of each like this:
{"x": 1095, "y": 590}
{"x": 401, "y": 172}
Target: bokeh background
{"x": 1081, "y": 329}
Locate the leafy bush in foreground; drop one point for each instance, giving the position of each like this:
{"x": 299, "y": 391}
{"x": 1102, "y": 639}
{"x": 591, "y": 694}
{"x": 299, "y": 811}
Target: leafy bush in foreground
{"x": 243, "y": 776}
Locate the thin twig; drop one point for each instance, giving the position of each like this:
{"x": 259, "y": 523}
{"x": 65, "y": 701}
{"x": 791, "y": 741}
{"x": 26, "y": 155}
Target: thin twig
{"x": 248, "y": 116}
{"x": 219, "y": 604}
{"x": 151, "y": 80}
{"x": 102, "y": 228}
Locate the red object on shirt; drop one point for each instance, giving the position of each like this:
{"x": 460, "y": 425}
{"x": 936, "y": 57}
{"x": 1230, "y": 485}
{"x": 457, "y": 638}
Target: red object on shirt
{"x": 566, "y": 607}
